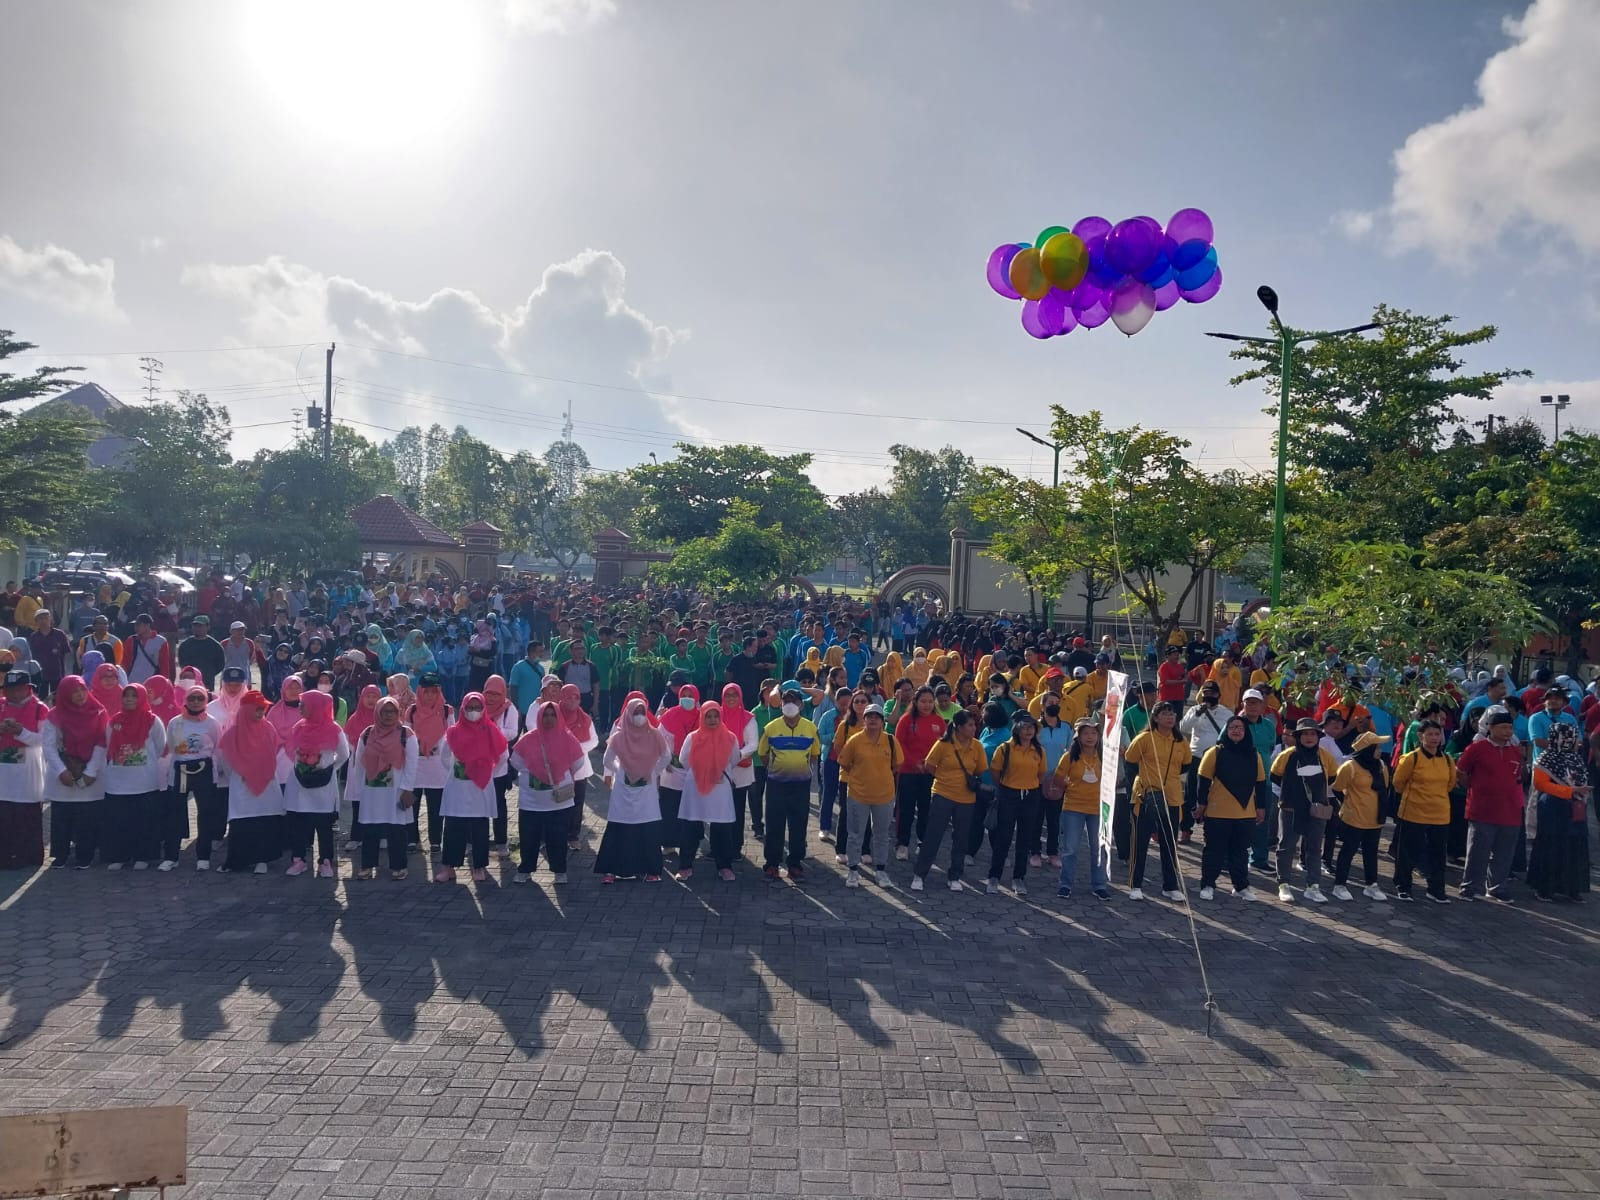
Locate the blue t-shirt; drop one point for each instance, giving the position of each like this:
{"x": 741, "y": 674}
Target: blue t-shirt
{"x": 526, "y": 678}
{"x": 1539, "y": 727}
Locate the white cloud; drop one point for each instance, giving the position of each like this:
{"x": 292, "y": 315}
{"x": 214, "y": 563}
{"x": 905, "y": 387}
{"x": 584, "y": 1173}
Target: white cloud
{"x": 1527, "y": 152}
{"x": 558, "y": 16}
{"x": 1354, "y": 223}
{"x": 574, "y": 325}
{"x": 152, "y": 243}
{"x": 56, "y": 276}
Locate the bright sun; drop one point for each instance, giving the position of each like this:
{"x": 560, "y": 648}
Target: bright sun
{"x": 368, "y": 72}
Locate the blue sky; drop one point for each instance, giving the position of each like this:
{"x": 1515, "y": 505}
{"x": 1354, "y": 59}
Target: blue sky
{"x": 777, "y": 205}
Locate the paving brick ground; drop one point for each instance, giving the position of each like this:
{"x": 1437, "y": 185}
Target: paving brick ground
{"x": 412, "y": 1041}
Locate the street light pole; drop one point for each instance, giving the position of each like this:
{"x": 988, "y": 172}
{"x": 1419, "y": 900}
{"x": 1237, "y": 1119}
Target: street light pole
{"x": 1055, "y": 482}
{"x": 1286, "y": 341}
{"x": 1557, "y": 403}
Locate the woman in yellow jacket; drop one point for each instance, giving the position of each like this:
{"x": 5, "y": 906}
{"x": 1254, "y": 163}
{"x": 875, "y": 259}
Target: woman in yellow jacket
{"x": 1231, "y": 799}
{"x": 867, "y": 768}
{"x": 919, "y": 668}
{"x": 890, "y": 672}
{"x": 1422, "y": 780}
{"x": 1018, "y": 766}
{"x": 956, "y": 762}
{"x": 1361, "y": 787}
{"x": 1079, "y": 775}
{"x": 1160, "y": 756}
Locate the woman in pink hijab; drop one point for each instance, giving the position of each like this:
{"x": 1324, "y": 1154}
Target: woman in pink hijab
{"x": 316, "y": 748}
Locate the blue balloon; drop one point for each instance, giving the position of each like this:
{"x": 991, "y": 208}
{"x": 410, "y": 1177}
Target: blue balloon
{"x": 1155, "y": 270}
{"x": 1198, "y": 274}
{"x": 1161, "y": 280}
{"x": 1188, "y": 254}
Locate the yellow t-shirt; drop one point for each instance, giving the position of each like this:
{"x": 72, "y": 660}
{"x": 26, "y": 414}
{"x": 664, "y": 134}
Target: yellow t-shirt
{"x": 1161, "y": 760}
{"x": 951, "y": 764}
{"x": 1017, "y": 767}
{"x": 1424, "y": 784}
{"x": 1220, "y": 802}
{"x": 1081, "y": 781}
{"x": 868, "y": 767}
{"x": 1354, "y": 784}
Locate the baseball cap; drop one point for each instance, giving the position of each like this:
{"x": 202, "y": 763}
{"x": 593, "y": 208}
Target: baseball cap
{"x": 1102, "y": 660}
{"x": 199, "y": 619}
{"x": 873, "y": 710}
{"x": 235, "y": 675}
{"x": 1253, "y": 694}
{"x": 1079, "y": 673}
{"x": 236, "y": 625}
{"x": 430, "y": 679}
{"x": 1055, "y": 673}
{"x": 15, "y": 677}
{"x": 791, "y": 686}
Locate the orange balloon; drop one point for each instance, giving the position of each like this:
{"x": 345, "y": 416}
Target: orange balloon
{"x": 1026, "y": 276}
{"x": 1064, "y": 261}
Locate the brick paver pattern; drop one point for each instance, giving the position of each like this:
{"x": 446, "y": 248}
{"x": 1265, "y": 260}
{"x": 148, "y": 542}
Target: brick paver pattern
{"x": 414, "y": 1041}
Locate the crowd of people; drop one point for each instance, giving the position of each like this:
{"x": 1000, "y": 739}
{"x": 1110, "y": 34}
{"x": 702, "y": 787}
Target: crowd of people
{"x": 378, "y": 719}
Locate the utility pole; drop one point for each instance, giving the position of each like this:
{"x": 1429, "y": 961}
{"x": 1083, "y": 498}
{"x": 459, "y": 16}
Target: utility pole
{"x": 1487, "y": 425}
{"x": 327, "y": 408}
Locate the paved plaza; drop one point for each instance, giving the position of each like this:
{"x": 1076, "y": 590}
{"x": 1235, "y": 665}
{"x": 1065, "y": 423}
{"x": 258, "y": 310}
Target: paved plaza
{"x": 411, "y": 1041}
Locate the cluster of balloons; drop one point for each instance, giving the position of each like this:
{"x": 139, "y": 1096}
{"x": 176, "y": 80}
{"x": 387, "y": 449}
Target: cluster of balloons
{"x": 1097, "y": 271}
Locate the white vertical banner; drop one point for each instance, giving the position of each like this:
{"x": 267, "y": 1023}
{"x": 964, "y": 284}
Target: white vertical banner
{"x": 1111, "y": 754}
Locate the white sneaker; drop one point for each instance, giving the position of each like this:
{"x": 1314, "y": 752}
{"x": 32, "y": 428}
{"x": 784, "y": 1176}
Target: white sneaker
{"x": 852, "y": 880}
{"x": 1340, "y": 892}
{"x": 916, "y": 883}
{"x": 1285, "y": 893}
{"x": 113, "y": 866}
{"x": 955, "y": 885}
{"x": 883, "y": 878}
{"x": 1248, "y": 893}
{"x": 1207, "y": 894}
{"x": 991, "y": 888}
{"x": 1135, "y": 893}
{"x": 141, "y": 865}
{"x": 1314, "y": 894}
{"x": 166, "y": 864}
{"x": 902, "y": 853}
{"x": 1175, "y": 897}
{"x": 1373, "y": 892}
{"x": 1018, "y": 888}
{"x": 261, "y": 868}
{"x": 203, "y": 864}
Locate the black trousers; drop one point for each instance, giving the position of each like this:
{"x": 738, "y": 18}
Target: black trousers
{"x": 1227, "y": 848}
{"x": 751, "y": 798}
{"x": 788, "y": 812}
{"x": 1191, "y": 797}
{"x": 1159, "y": 820}
{"x": 434, "y": 797}
{"x": 944, "y": 813}
{"x": 671, "y": 801}
{"x": 1422, "y": 847}
{"x": 303, "y": 827}
{"x": 210, "y": 805}
{"x": 502, "y": 784}
{"x": 371, "y": 835}
{"x": 73, "y": 829}
{"x": 1367, "y": 841}
{"x": 1122, "y": 824}
{"x": 461, "y": 832}
{"x": 547, "y": 829}
{"x": 253, "y": 840}
{"x": 1016, "y": 816}
{"x": 724, "y": 842}
{"x": 170, "y": 827}
{"x": 580, "y": 788}
{"x": 912, "y": 792}
{"x": 1050, "y": 813}
{"x": 124, "y": 822}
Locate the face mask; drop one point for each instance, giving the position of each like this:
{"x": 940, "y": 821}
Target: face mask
{"x": 1052, "y": 709}
{"x": 791, "y": 710}
{"x": 685, "y": 701}
{"x": 475, "y": 715}
{"x": 325, "y": 687}
{"x": 638, "y": 719}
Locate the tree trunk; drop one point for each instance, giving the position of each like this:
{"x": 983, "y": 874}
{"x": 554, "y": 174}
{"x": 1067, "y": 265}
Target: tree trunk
{"x": 1088, "y": 602}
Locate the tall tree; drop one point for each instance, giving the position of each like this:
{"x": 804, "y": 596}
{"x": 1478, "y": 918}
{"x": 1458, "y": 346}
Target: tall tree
{"x": 741, "y": 560}
{"x": 864, "y": 524}
{"x": 924, "y": 487}
{"x": 609, "y": 500}
{"x": 467, "y": 486}
{"x": 411, "y": 468}
{"x": 47, "y": 471}
{"x": 688, "y": 496}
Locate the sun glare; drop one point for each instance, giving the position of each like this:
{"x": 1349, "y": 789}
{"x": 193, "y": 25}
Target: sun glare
{"x": 367, "y": 72}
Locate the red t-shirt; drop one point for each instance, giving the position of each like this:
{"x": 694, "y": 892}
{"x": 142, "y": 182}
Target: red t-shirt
{"x": 1494, "y": 790}
{"x": 1174, "y": 681}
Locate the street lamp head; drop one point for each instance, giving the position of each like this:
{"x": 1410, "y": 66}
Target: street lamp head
{"x": 1268, "y": 298}
{"x": 1547, "y": 399}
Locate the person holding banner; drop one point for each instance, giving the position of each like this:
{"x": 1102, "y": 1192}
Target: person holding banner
{"x": 1078, "y": 773}
{"x": 1159, "y": 756}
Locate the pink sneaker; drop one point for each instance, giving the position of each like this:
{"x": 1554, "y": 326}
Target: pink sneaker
{"x": 297, "y": 867}
{"x": 726, "y": 875}
{"x": 326, "y": 871}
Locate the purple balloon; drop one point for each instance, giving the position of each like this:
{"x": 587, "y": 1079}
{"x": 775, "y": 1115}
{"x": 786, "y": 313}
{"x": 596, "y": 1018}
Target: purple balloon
{"x": 1088, "y": 294}
{"x": 1093, "y": 318}
{"x": 1190, "y": 224}
{"x": 1155, "y": 227}
{"x": 1053, "y": 307}
{"x": 1206, "y": 290}
{"x": 1167, "y": 295}
{"x": 1069, "y": 322}
{"x": 1092, "y": 227}
{"x": 1132, "y": 246}
{"x": 1032, "y": 322}
{"x": 1131, "y": 294}
{"x": 1000, "y": 270}
{"x": 1189, "y": 253}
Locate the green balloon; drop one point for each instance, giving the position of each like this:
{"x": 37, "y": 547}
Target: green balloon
{"x": 1049, "y": 233}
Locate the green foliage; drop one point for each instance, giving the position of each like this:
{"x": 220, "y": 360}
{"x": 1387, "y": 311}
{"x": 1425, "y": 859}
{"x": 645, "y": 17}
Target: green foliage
{"x": 174, "y": 481}
{"x": 687, "y": 498}
{"x": 44, "y": 381}
{"x": 609, "y": 500}
{"x": 292, "y": 512}
{"x": 925, "y": 488}
{"x": 863, "y": 527}
{"x": 47, "y": 471}
{"x": 740, "y": 561}
{"x": 1416, "y": 618}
